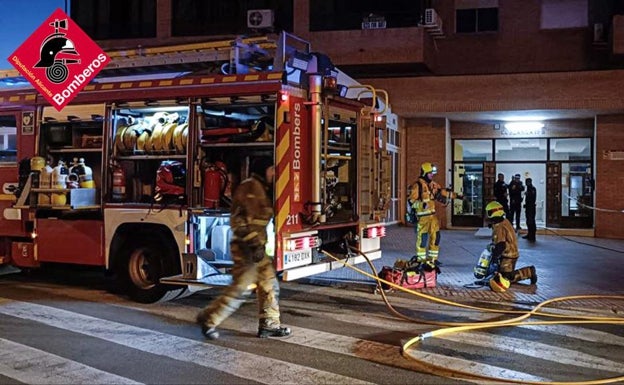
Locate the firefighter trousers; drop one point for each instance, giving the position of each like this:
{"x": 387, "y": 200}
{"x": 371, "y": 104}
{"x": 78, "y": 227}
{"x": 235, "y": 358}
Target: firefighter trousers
{"x": 508, "y": 270}
{"x": 427, "y": 238}
{"x": 245, "y": 274}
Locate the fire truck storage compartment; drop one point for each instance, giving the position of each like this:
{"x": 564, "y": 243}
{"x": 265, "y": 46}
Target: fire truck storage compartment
{"x": 237, "y": 119}
{"x": 144, "y": 135}
{"x": 233, "y": 131}
{"x": 339, "y": 167}
{"x": 70, "y": 138}
{"x": 67, "y": 241}
{"x": 150, "y": 128}
{"x": 212, "y": 236}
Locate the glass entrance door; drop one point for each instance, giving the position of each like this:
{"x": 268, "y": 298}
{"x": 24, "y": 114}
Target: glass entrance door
{"x": 570, "y": 183}
{"x": 576, "y": 195}
{"x": 469, "y": 211}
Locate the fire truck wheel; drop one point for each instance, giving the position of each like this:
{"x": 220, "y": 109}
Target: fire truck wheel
{"x": 140, "y": 268}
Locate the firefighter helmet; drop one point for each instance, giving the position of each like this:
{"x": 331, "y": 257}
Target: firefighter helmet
{"x": 499, "y": 284}
{"x": 427, "y": 168}
{"x": 494, "y": 210}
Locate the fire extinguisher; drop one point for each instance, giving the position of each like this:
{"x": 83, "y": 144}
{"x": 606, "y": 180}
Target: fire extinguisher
{"x": 119, "y": 183}
{"x": 215, "y": 182}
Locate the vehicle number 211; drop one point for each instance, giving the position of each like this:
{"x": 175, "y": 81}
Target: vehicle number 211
{"x": 292, "y": 219}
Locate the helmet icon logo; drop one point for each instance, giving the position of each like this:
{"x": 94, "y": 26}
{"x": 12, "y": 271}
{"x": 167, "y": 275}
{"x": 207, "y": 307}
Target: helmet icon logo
{"x": 59, "y": 59}
{"x": 56, "y": 52}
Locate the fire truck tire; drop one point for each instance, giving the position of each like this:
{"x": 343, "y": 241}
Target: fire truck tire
{"x": 142, "y": 263}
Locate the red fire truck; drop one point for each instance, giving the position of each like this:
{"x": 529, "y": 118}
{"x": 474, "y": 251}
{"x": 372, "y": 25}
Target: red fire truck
{"x": 135, "y": 176}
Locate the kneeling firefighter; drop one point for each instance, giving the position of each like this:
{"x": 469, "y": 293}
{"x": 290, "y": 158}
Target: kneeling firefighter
{"x": 504, "y": 248}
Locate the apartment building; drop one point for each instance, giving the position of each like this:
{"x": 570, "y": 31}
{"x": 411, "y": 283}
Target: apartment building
{"x": 481, "y": 87}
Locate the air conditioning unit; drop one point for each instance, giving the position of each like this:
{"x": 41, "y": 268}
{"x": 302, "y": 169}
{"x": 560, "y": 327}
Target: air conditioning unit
{"x": 433, "y": 23}
{"x": 260, "y": 18}
{"x": 431, "y": 18}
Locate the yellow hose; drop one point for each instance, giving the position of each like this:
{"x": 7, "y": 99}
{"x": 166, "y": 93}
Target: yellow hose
{"x": 456, "y": 327}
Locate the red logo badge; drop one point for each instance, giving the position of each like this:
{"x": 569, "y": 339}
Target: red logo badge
{"x": 59, "y": 59}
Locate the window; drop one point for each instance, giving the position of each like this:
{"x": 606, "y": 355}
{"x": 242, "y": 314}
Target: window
{"x": 343, "y": 15}
{"x": 476, "y": 20}
{"x": 558, "y": 14}
{"x": 105, "y": 19}
{"x": 570, "y": 149}
{"x": 520, "y": 149}
{"x": 472, "y": 150}
{"x": 8, "y": 139}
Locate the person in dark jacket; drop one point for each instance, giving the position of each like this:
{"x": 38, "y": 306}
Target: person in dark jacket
{"x": 500, "y": 193}
{"x": 530, "y": 197}
{"x": 515, "y": 200}
{"x": 252, "y": 210}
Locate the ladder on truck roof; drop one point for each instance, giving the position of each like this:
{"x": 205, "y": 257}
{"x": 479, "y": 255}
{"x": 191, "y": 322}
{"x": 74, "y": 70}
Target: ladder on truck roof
{"x": 233, "y": 56}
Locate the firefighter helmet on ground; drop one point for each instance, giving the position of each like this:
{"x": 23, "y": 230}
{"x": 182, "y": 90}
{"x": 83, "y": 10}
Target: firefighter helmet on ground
{"x": 427, "y": 168}
{"x": 499, "y": 284}
{"x": 494, "y": 210}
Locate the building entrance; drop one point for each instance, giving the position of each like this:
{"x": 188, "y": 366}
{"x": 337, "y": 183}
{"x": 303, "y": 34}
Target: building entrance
{"x": 561, "y": 170}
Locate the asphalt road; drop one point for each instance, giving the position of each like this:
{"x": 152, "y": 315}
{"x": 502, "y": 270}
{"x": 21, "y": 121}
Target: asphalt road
{"x": 64, "y": 327}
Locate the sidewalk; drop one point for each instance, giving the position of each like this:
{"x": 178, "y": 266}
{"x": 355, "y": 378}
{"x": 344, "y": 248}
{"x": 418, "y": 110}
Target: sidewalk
{"x": 565, "y": 266}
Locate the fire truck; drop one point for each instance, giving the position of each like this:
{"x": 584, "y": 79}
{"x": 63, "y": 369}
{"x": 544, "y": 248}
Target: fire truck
{"x": 135, "y": 176}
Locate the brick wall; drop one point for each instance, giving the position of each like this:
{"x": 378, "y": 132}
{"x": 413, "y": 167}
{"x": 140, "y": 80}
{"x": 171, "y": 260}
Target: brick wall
{"x": 609, "y": 177}
{"x": 425, "y": 141}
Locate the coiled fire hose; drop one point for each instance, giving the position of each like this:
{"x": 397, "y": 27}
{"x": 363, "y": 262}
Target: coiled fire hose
{"x": 457, "y": 327}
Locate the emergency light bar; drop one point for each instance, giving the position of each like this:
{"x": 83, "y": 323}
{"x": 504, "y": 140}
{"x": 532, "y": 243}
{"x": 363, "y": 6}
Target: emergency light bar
{"x": 301, "y": 243}
{"x": 375, "y": 232}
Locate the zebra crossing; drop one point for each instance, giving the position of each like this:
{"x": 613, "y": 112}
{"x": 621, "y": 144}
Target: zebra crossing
{"x": 324, "y": 335}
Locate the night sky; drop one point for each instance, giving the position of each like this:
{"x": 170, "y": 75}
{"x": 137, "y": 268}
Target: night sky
{"x": 18, "y": 19}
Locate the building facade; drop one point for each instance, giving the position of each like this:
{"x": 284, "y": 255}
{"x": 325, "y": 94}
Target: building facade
{"x": 458, "y": 72}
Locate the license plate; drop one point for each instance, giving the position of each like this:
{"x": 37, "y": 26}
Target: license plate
{"x": 297, "y": 258}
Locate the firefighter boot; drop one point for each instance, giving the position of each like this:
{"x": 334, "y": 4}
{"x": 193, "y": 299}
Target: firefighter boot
{"x": 210, "y": 333}
{"x": 277, "y": 331}
{"x": 533, "y": 275}
{"x": 431, "y": 265}
{"x": 272, "y": 329}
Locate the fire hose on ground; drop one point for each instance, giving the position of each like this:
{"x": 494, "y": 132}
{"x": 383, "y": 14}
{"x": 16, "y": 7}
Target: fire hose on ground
{"x": 520, "y": 317}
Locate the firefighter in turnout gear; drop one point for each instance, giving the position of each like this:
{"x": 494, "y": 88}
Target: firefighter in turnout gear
{"x": 422, "y": 197}
{"x": 252, "y": 210}
{"x": 504, "y": 246}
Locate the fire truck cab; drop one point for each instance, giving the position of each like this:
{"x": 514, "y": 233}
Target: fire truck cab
{"x": 136, "y": 175}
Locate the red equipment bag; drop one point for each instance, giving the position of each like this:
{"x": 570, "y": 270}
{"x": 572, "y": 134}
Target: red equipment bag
{"x": 410, "y": 277}
{"x": 170, "y": 181}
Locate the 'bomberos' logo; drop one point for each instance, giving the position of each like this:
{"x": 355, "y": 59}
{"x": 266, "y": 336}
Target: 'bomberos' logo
{"x": 59, "y": 59}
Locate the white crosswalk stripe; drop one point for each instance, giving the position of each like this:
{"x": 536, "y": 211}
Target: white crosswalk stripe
{"x": 588, "y": 335}
{"x": 250, "y": 366}
{"x": 262, "y": 369}
{"x": 536, "y": 349}
{"x": 34, "y": 366}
